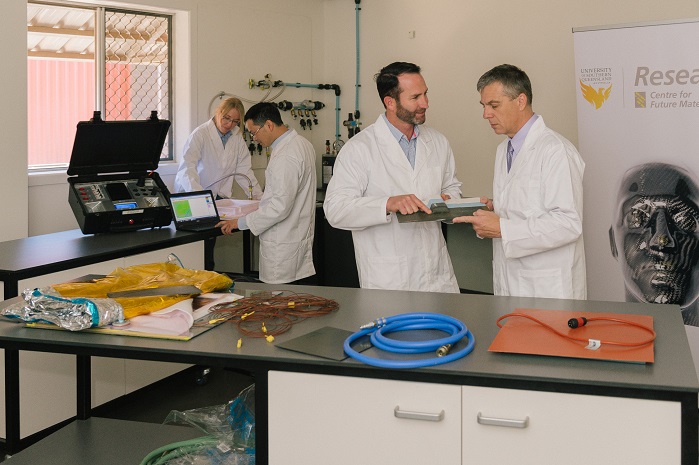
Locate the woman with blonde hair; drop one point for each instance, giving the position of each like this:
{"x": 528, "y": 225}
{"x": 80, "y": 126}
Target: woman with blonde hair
{"x": 215, "y": 154}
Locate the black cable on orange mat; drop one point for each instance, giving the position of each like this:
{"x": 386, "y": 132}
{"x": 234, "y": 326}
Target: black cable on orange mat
{"x": 578, "y": 322}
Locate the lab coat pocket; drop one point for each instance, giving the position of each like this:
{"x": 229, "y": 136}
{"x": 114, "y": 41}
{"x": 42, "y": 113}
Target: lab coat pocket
{"x": 278, "y": 261}
{"x": 541, "y": 283}
{"x": 387, "y": 273}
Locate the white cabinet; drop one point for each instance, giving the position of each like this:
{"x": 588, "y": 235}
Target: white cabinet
{"x": 321, "y": 419}
{"x": 567, "y": 428}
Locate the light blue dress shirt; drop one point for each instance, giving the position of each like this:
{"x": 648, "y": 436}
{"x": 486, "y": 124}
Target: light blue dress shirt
{"x": 225, "y": 137}
{"x": 409, "y": 146}
{"x": 518, "y": 140}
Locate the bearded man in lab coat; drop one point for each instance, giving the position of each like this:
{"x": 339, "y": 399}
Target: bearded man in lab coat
{"x": 535, "y": 217}
{"x": 285, "y": 220}
{"x": 395, "y": 165}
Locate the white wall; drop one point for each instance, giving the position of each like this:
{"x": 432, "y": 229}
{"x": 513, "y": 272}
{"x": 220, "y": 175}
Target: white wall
{"x": 458, "y": 40}
{"x": 13, "y": 120}
{"x": 239, "y": 41}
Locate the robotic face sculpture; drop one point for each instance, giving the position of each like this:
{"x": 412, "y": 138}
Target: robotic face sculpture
{"x": 656, "y": 234}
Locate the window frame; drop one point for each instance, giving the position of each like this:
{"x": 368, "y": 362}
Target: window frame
{"x": 100, "y": 62}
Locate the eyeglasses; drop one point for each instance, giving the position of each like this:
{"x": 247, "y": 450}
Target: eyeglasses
{"x": 230, "y": 120}
{"x": 253, "y": 134}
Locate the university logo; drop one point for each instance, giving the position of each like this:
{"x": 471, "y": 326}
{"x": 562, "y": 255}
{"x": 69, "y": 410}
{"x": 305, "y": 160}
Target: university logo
{"x": 640, "y": 99}
{"x": 596, "y": 96}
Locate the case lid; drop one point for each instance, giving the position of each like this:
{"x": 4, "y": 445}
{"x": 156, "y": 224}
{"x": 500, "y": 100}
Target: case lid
{"x": 117, "y": 146}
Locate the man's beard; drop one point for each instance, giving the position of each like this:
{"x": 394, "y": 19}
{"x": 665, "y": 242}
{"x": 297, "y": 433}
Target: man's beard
{"x": 411, "y": 117}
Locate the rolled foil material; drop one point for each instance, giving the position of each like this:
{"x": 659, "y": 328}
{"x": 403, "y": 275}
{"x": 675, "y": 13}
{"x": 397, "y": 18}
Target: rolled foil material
{"x": 46, "y": 306}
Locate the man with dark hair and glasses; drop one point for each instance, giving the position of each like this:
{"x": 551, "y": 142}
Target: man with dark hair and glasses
{"x": 214, "y": 152}
{"x": 395, "y": 165}
{"x": 285, "y": 219}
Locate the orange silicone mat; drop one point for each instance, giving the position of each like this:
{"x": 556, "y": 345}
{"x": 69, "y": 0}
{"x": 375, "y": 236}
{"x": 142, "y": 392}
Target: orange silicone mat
{"x": 521, "y": 335}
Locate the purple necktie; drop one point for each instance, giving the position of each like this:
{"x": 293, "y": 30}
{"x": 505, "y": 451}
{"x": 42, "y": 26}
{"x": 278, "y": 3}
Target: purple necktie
{"x": 510, "y": 155}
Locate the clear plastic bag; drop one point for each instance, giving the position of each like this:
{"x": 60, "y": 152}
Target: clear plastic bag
{"x": 241, "y": 418}
{"x": 230, "y": 429}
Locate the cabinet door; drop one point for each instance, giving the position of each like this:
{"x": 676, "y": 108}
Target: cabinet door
{"x": 321, "y": 419}
{"x": 526, "y": 427}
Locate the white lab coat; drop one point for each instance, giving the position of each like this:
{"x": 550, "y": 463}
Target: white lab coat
{"x": 540, "y": 204}
{"x": 369, "y": 169}
{"x": 285, "y": 220}
{"x": 206, "y": 164}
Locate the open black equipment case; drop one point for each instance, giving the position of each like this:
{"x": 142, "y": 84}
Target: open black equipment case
{"x": 113, "y": 185}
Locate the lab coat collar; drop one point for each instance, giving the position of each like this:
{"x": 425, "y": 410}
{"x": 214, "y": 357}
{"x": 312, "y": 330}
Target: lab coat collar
{"x": 278, "y": 140}
{"x": 282, "y": 141}
{"x": 519, "y": 138}
{"x": 528, "y": 145}
{"x": 389, "y": 147}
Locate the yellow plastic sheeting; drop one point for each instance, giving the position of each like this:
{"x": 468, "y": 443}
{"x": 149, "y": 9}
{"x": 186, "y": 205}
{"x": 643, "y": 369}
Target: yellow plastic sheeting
{"x": 149, "y": 276}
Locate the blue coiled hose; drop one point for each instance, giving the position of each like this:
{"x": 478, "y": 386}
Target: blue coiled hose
{"x": 407, "y": 322}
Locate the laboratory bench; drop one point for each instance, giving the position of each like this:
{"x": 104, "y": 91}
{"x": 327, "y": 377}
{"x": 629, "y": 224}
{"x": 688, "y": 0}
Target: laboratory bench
{"x": 333, "y": 255}
{"x": 49, "y": 253}
{"x": 314, "y": 410}
{"x": 47, "y": 259}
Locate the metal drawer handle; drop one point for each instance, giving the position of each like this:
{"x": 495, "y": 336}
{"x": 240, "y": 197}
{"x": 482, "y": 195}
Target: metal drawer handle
{"x": 502, "y": 422}
{"x": 418, "y": 415}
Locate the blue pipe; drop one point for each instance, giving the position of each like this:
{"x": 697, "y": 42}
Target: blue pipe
{"x": 409, "y": 322}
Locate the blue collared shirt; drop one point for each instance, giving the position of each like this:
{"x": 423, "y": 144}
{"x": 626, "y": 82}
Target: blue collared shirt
{"x": 518, "y": 140}
{"x": 409, "y": 146}
{"x": 225, "y": 137}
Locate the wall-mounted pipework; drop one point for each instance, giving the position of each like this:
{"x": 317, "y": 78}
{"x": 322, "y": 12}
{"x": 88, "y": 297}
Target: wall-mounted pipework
{"x": 306, "y": 105}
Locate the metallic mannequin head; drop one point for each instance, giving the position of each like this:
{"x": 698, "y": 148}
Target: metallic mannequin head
{"x": 655, "y": 234}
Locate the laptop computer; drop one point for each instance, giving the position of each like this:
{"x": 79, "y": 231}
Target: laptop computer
{"x": 194, "y": 211}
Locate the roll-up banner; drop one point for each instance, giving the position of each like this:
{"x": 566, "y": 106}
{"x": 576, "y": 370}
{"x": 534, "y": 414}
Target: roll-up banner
{"x": 638, "y": 127}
